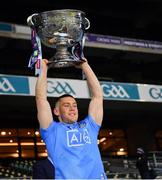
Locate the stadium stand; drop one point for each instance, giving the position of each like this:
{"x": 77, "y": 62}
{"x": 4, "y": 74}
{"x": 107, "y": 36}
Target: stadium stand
{"x": 12, "y": 168}
{"x": 115, "y": 167}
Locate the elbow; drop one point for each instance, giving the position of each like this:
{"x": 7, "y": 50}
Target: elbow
{"x": 100, "y": 94}
{"x": 40, "y": 99}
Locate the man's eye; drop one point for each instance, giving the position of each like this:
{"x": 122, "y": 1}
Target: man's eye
{"x": 66, "y": 105}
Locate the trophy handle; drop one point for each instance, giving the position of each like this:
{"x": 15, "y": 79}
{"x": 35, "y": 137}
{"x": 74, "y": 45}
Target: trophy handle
{"x": 87, "y": 22}
{"x": 30, "y": 19}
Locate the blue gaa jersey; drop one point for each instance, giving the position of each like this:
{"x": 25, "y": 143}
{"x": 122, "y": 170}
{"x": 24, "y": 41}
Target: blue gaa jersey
{"x": 74, "y": 150}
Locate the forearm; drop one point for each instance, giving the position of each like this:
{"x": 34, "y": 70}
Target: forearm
{"x": 96, "y": 104}
{"x": 41, "y": 85}
{"x": 43, "y": 107}
{"x": 92, "y": 81}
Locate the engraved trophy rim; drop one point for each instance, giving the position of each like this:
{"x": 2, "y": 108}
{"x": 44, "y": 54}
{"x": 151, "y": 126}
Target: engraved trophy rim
{"x": 63, "y": 11}
{"x": 61, "y": 29}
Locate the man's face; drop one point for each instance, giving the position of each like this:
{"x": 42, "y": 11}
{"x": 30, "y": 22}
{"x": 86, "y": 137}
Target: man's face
{"x": 67, "y": 110}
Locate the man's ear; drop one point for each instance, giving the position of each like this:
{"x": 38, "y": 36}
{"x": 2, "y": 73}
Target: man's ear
{"x": 56, "y": 111}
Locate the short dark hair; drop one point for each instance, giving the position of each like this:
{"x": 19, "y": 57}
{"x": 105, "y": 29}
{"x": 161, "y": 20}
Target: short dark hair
{"x": 62, "y": 96}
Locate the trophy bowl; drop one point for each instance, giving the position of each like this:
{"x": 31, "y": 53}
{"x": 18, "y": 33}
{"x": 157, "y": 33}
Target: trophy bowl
{"x": 64, "y": 31}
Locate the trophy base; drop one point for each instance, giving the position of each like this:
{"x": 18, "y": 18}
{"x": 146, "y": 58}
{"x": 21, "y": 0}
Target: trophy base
{"x": 63, "y": 63}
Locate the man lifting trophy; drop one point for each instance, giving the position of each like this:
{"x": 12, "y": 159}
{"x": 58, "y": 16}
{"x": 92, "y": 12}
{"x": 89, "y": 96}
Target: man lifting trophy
{"x": 62, "y": 30}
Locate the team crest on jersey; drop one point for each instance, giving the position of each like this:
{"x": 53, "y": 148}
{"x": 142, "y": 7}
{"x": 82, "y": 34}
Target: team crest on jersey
{"x": 82, "y": 124}
{"x": 78, "y": 138}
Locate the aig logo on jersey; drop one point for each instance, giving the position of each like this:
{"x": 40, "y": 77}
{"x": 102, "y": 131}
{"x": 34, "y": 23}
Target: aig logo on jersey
{"x": 76, "y": 138}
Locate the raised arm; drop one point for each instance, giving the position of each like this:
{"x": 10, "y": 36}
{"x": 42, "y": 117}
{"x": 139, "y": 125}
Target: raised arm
{"x": 44, "y": 112}
{"x": 96, "y": 103}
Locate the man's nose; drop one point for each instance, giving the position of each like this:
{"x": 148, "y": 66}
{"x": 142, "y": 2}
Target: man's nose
{"x": 72, "y": 107}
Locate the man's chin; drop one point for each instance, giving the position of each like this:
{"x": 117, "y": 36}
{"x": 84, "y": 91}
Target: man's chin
{"x": 72, "y": 121}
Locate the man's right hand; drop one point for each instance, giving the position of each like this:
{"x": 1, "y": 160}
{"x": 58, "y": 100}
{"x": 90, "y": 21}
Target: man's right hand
{"x": 80, "y": 63}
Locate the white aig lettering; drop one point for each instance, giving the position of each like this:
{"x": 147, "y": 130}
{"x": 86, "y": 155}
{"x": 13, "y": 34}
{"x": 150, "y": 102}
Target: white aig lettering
{"x": 76, "y": 138}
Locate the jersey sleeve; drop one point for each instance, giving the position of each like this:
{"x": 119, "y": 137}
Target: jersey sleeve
{"x": 93, "y": 124}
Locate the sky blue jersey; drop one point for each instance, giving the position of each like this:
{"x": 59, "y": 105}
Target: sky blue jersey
{"x": 74, "y": 150}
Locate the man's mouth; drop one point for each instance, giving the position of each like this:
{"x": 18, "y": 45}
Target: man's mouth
{"x": 72, "y": 114}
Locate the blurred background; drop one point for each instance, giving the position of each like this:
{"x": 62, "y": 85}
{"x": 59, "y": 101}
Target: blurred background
{"x": 127, "y": 50}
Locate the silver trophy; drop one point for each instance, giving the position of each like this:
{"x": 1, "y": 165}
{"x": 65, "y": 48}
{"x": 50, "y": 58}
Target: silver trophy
{"x": 64, "y": 31}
